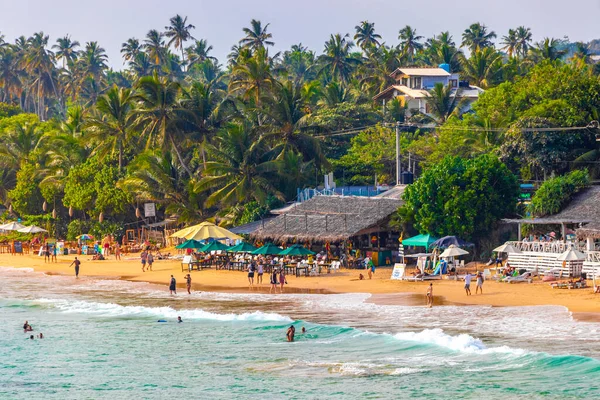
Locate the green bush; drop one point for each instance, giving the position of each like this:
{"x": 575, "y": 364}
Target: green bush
{"x": 556, "y": 193}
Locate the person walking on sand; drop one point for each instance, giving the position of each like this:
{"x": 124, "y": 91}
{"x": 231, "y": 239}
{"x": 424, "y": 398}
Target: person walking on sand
{"x": 188, "y": 283}
{"x": 371, "y": 267}
{"x": 46, "y": 252}
{"x": 468, "y": 278}
{"x": 150, "y": 260}
{"x": 54, "y": 251}
{"x": 144, "y": 256}
{"x": 282, "y": 280}
{"x": 479, "y": 286}
{"x": 77, "y": 263}
{"x": 173, "y": 285}
{"x": 251, "y": 273}
{"x": 117, "y": 251}
{"x": 429, "y": 295}
{"x": 261, "y": 271}
{"x": 273, "y": 280}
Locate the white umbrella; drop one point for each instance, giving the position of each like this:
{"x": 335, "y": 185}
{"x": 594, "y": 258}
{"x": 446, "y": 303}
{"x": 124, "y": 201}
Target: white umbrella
{"x": 11, "y": 226}
{"x": 507, "y": 248}
{"x": 31, "y": 229}
{"x": 453, "y": 251}
{"x": 571, "y": 255}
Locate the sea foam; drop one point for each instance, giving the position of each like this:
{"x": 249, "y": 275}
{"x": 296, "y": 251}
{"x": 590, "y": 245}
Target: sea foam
{"x": 116, "y": 310}
{"x": 462, "y": 343}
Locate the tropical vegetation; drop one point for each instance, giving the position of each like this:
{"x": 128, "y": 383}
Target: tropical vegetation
{"x": 228, "y": 139}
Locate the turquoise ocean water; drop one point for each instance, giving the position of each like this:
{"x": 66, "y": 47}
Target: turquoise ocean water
{"x": 102, "y": 340}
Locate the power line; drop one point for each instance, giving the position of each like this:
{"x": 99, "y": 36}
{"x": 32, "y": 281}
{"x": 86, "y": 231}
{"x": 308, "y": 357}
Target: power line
{"x": 352, "y": 131}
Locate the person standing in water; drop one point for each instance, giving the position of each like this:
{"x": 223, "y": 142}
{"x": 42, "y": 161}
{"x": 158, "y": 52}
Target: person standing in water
{"x": 290, "y": 333}
{"x": 77, "y": 263}
{"x": 188, "y": 283}
{"x": 150, "y": 260}
{"x": 430, "y": 295}
{"x": 173, "y": 285}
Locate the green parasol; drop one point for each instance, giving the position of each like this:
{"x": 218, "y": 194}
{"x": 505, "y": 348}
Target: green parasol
{"x": 268, "y": 249}
{"x": 296, "y": 250}
{"x": 242, "y": 248}
{"x": 190, "y": 244}
{"x": 213, "y": 246}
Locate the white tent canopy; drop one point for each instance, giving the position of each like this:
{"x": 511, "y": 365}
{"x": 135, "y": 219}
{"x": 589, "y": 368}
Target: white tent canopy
{"x": 12, "y": 226}
{"x": 453, "y": 251}
{"x": 507, "y": 248}
{"x": 31, "y": 229}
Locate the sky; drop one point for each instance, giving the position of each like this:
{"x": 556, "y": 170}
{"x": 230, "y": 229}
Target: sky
{"x": 111, "y": 22}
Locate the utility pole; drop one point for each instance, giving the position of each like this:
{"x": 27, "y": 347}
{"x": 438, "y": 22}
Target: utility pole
{"x": 397, "y": 152}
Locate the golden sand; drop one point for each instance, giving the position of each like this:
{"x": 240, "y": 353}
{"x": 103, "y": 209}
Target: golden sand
{"x": 385, "y": 290}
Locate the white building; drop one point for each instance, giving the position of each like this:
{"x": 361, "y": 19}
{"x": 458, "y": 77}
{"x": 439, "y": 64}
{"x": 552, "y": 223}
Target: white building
{"x": 413, "y": 85}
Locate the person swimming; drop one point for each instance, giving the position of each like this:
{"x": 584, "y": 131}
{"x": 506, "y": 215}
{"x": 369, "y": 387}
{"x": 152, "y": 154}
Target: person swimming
{"x": 303, "y": 330}
{"x": 179, "y": 320}
{"x": 27, "y": 327}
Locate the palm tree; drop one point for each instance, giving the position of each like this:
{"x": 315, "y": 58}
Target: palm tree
{"x": 299, "y": 63}
{"x": 159, "y": 112}
{"x": 19, "y": 143}
{"x": 198, "y": 52}
{"x": 409, "y": 42}
{"x": 511, "y": 42}
{"x": 10, "y": 76}
{"x": 547, "y": 49}
{"x": 155, "y": 176}
{"x": 130, "y": 49}
{"x": 523, "y": 40}
{"x": 111, "y": 128}
{"x": 337, "y": 59}
{"x": 378, "y": 67}
{"x": 141, "y": 65}
{"x": 65, "y": 49}
{"x": 93, "y": 61}
{"x": 256, "y": 36}
{"x": 155, "y": 46}
{"x": 483, "y": 68}
{"x": 365, "y": 35}
{"x": 476, "y": 37}
{"x": 240, "y": 169}
{"x": 253, "y": 77}
{"x": 443, "y": 102}
{"x": 39, "y": 62}
{"x": 178, "y": 32}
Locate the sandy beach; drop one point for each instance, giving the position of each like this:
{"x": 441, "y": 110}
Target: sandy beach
{"x": 384, "y": 290}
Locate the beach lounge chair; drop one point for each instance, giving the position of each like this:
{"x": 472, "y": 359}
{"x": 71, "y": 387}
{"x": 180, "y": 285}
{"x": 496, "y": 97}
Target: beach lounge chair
{"x": 487, "y": 274}
{"x": 525, "y": 277}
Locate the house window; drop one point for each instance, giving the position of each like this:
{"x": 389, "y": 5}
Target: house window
{"x": 453, "y": 83}
{"x": 404, "y": 81}
{"x": 415, "y": 82}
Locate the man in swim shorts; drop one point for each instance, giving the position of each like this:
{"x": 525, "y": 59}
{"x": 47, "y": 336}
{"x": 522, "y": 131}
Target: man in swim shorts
{"x": 77, "y": 264}
{"x": 468, "y": 278}
{"x": 173, "y": 285}
{"x": 430, "y": 295}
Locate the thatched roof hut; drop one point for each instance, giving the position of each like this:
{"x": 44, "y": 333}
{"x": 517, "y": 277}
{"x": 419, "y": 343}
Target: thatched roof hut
{"x": 330, "y": 218}
{"x": 584, "y": 209}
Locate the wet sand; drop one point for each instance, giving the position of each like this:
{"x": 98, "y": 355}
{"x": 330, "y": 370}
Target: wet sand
{"x": 583, "y": 302}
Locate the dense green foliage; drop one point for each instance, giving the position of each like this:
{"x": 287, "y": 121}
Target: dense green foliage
{"x": 203, "y": 139}
{"x": 460, "y": 197}
{"x": 556, "y": 192}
